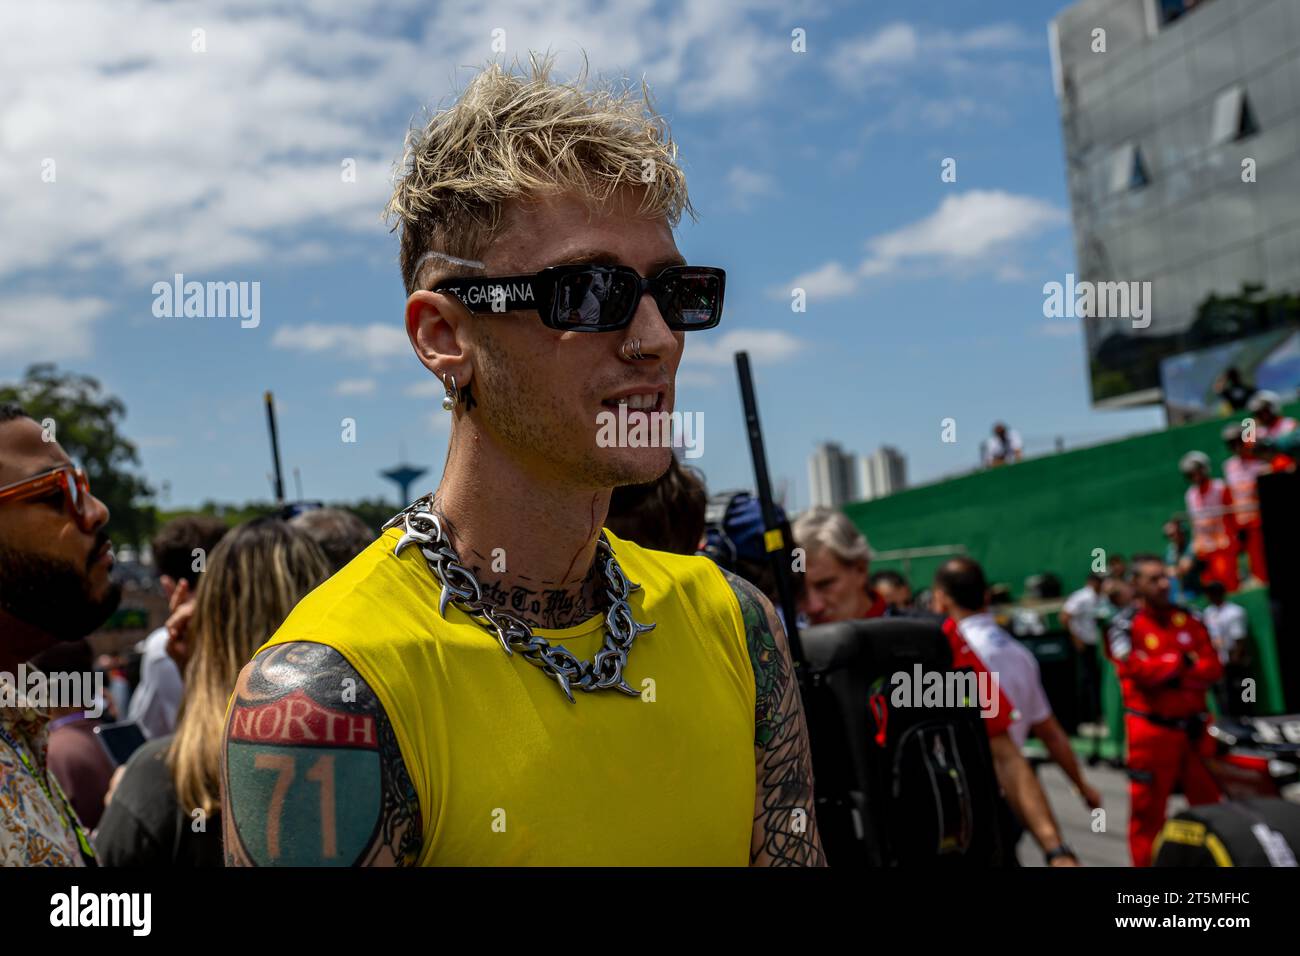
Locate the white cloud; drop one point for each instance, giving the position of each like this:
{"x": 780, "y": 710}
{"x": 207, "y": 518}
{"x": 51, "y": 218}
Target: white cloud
{"x": 170, "y": 160}
{"x": 373, "y": 341}
{"x": 998, "y": 36}
{"x": 827, "y": 282}
{"x": 965, "y": 228}
{"x": 48, "y": 327}
{"x": 355, "y": 386}
{"x": 906, "y": 111}
{"x": 763, "y": 345}
{"x": 696, "y": 377}
{"x": 866, "y": 58}
{"x": 968, "y": 230}
{"x": 166, "y": 159}
{"x": 882, "y": 56}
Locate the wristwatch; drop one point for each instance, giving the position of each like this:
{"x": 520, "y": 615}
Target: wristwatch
{"x": 1060, "y": 851}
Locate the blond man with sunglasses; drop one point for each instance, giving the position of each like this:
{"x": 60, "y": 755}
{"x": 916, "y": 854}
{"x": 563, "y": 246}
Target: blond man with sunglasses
{"x": 54, "y": 586}
{"x": 499, "y": 680}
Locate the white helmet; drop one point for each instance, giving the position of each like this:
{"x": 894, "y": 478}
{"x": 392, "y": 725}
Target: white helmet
{"x": 1189, "y": 462}
{"x": 1264, "y": 398}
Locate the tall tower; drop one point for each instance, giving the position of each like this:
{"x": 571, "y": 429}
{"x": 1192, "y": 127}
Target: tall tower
{"x": 403, "y": 476}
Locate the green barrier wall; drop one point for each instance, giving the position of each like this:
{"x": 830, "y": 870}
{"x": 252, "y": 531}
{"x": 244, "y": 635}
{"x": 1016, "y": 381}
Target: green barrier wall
{"x": 1051, "y": 514}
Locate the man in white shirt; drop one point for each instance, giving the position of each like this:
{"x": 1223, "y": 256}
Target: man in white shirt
{"x": 180, "y": 552}
{"x": 961, "y": 592}
{"x": 1079, "y": 613}
{"x": 1002, "y": 447}
{"x": 1079, "y": 618}
{"x": 1228, "y": 627}
{"x": 1226, "y": 623}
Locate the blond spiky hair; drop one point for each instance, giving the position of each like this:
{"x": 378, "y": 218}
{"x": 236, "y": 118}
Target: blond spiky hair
{"x": 519, "y": 134}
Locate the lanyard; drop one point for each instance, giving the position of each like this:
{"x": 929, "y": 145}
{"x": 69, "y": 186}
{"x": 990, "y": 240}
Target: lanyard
{"x": 61, "y": 804}
{"x": 66, "y": 719}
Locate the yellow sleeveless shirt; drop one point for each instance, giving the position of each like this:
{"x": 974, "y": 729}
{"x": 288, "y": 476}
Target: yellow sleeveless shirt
{"x": 508, "y": 772}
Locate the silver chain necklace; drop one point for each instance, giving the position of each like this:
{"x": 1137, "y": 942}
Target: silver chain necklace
{"x": 460, "y": 588}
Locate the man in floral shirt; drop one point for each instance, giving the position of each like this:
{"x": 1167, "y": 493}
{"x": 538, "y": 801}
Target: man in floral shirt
{"x": 54, "y": 586}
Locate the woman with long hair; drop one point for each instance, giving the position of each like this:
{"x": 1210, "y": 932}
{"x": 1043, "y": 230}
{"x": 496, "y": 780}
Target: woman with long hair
{"x": 165, "y": 809}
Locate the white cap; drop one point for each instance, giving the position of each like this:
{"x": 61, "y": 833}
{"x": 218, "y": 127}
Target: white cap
{"x": 1188, "y": 463}
{"x": 1264, "y": 397}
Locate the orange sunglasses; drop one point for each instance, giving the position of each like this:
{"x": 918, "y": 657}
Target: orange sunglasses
{"x": 71, "y": 479}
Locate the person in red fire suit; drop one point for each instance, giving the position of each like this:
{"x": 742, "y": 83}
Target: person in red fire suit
{"x": 1165, "y": 663}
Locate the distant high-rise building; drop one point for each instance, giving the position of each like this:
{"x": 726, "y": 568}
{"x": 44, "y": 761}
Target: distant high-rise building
{"x": 830, "y": 476}
{"x": 882, "y": 472}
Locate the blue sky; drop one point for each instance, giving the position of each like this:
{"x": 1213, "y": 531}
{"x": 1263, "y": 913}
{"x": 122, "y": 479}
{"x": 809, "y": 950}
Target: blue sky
{"x": 819, "y": 170}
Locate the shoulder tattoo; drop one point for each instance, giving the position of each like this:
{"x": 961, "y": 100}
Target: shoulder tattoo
{"x": 312, "y": 772}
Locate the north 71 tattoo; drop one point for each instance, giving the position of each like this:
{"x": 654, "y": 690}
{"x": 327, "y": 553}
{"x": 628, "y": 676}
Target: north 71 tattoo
{"x": 313, "y": 775}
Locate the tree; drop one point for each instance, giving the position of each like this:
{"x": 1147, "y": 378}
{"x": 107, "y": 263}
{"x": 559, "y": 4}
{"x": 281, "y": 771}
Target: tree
{"x": 86, "y": 422}
{"x": 373, "y": 512}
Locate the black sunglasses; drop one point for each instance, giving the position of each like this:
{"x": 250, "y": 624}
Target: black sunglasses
{"x": 582, "y": 298}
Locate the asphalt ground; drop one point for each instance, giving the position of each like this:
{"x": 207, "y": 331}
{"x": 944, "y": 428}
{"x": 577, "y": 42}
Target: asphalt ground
{"x": 1101, "y": 841}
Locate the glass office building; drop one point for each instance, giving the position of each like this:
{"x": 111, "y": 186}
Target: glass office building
{"x": 1181, "y": 124}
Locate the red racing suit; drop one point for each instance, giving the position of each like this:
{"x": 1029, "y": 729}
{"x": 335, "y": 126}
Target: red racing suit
{"x": 1165, "y": 663}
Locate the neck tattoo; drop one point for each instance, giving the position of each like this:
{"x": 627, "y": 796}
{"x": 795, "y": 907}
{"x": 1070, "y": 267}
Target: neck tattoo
{"x": 424, "y": 527}
{"x": 536, "y": 602}
{"x": 539, "y": 601}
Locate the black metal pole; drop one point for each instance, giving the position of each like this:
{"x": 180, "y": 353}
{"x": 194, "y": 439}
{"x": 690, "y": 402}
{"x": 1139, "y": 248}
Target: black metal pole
{"x": 275, "y": 449}
{"x": 777, "y": 537}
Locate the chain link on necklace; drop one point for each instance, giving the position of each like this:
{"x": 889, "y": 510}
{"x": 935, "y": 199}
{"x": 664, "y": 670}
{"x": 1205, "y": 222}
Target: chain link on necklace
{"x": 460, "y": 588}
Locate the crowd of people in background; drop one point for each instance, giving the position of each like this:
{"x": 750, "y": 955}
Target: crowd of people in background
{"x": 229, "y": 589}
{"x": 1135, "y": 616}
{"x": 63, "y": 800}
{"x": 1224, "y": 512}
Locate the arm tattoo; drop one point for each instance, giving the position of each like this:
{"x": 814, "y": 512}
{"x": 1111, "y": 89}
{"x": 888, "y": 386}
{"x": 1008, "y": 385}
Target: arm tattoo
{"x": 785, "y": 820}
{"x": 312, "y": 772}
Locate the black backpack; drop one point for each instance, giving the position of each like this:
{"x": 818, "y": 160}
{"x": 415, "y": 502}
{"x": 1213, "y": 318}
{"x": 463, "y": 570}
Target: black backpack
{"x": 895, "y": 785}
